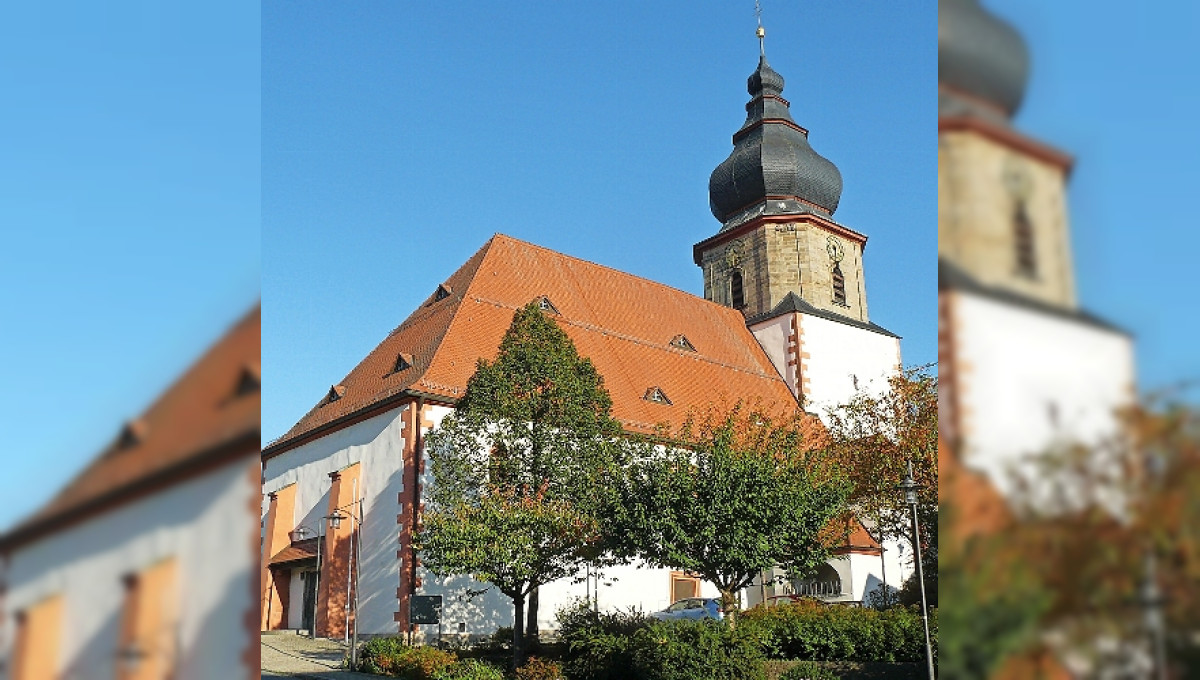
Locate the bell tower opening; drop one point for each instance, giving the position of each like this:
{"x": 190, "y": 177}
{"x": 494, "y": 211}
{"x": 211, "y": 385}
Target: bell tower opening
{"x": 737, "y": 297}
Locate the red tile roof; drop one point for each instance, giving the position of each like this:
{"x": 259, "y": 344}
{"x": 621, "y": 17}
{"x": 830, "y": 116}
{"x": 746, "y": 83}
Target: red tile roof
{"x": 207, "y": 417}
{"x": 625, "y": 324}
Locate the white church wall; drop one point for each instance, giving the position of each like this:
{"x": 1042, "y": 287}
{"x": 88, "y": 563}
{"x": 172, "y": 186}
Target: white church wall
{"x": 867, "y": 573}
{"x": 203, "y": 524}
{"x": 1028, "y": 382}
{"x": 623, "y": 587}
{"x": 377, "y": 444}
{"x": 843, "y": 359}
{"x": 773, "y": 335}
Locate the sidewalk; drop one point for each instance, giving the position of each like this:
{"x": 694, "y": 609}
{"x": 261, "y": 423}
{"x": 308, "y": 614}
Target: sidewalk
{"x": 300, "y": 657}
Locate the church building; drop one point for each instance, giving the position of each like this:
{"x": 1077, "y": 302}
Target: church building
{"x": 782, "y": 319}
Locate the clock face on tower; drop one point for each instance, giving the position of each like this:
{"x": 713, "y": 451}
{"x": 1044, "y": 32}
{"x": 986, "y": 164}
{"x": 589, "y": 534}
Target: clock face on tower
{"x": 732, "y": 256}
{"x": 834, "y": 248}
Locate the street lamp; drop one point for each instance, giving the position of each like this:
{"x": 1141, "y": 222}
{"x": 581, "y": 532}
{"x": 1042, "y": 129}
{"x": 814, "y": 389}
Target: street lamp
{"x": 909, "y": 486}
{"x": 1152, "y": 601}
{"x": 335, "y": 520}
{"x": 335, "y": 523}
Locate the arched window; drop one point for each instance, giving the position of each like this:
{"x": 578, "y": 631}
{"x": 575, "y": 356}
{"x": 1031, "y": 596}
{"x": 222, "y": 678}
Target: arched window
{"x": 736, "y": 296}
{"x": 1023, "y": 242}
{"x": 839, "y": 285}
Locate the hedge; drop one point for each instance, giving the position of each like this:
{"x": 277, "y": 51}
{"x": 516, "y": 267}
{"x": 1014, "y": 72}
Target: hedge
{"x": 820, "y": 632}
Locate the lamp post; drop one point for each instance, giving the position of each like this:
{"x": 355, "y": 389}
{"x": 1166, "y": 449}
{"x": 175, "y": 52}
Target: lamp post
{"x": 910, "y": 487}
{"x": 1152, "y": 603}
{"x": 335, "y": 522}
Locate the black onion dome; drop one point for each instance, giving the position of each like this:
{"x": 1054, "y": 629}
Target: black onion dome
{"x": 771, "y": 158}
{"x": 981, "y": 55}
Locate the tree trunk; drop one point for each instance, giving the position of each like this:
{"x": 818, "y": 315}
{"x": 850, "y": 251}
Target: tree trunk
{"x": 729, "y": 605}
{"x": 531, "y": 625}
{"x": 518, "y": 629}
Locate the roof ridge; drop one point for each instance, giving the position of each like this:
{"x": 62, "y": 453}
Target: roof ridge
{"x": 719, "y": 307}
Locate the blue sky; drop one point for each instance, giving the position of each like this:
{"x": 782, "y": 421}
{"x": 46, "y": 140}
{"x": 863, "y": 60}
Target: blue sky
{"x": 1118, "y": 88}
{"x": 398, "y": 137}
{"x": 129, "y": 207}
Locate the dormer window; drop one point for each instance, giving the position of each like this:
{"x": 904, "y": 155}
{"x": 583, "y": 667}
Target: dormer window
{"x": 403, "y": 362}
{"x": 681, "y": 342}
{"x": 249, "y": 381}
{"x": 656, "y": 395}
{"x": 839, "y": 285}
{"x": 442, "y": 292}
{"x": 546, "y": 305}
{"x": 132, "y": 434}
{"x": 336, "y": 392}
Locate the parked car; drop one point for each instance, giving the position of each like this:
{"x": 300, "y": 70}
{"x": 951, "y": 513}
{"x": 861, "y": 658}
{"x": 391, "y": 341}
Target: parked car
{"x": 691, "y": 608}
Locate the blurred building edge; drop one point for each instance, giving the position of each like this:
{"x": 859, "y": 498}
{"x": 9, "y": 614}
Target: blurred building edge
{"x": 1023, "y": 370}
{"x": 143, "y": 566}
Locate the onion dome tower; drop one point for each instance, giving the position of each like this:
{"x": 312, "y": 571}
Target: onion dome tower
{"x": 775, "y": 198}
{"x": 983, "y": 63}
{"x": 1002, "y": 216}
{"x": 772, "y": 169}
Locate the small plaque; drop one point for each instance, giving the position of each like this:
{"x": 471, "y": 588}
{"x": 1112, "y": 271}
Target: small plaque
{"x": 425, "y": 609}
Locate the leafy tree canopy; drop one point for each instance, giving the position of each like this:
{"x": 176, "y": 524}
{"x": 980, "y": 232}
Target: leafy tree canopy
{"x": 519, "y": 468}
{"x": 738, "y": 493}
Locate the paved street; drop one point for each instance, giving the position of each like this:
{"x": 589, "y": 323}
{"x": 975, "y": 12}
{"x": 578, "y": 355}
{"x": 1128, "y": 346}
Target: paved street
{"x": 292, "y": 656}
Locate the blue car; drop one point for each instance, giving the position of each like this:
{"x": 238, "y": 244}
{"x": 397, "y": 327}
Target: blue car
{"x": 692, "y": 608}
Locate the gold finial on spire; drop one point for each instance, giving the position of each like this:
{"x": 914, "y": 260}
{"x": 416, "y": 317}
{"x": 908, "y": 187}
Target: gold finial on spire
{"x": 761, "y": 32}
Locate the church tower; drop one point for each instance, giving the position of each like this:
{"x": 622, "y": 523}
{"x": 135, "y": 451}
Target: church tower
{"x": 775, "y": 198}
{"x": 1002, "y": 213}
{"x": 781, "y": 259}
{"x": 1023, "y": 369}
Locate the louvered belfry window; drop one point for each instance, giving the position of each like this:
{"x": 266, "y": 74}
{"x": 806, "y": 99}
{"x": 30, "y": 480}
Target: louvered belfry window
{"x": 737, "y": 297}
{"x": 1023, "y": 242}
{"x": 839, "y": 285}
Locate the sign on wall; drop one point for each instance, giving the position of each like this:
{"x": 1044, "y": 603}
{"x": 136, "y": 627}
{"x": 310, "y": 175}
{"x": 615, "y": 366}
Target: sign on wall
{"x": 425, "y": 609}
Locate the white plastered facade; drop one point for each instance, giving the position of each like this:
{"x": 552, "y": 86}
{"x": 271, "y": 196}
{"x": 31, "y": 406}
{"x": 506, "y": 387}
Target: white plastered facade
{"x": 831, "y": 361}
{"x": 1028, "y": 381}
{"x": 204, "y": 525}
{"x": 377, "y": 445}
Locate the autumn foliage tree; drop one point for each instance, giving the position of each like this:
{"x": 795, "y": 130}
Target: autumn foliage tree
{"x": 519, "y": 467}
{"x": 875, "y": 437}
{"x": 1076, "y": 565}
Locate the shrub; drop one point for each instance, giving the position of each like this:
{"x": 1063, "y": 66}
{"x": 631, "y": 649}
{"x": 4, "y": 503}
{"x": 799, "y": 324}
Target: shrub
{"x": 809, "y": 630}
{"x": 471, "y": 669}
{"x": 390, "y": 656}
{"x": 695, "y": 650}
{"x": 539, "y": 669}
{"x": 598, "y": 644}
{"x": 376, "y": 655}
{"x": 808, "y": 670}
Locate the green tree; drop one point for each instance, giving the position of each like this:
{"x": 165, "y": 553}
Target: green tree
{"x": 730, "y": 495}
{"x": 519, "y": 468}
